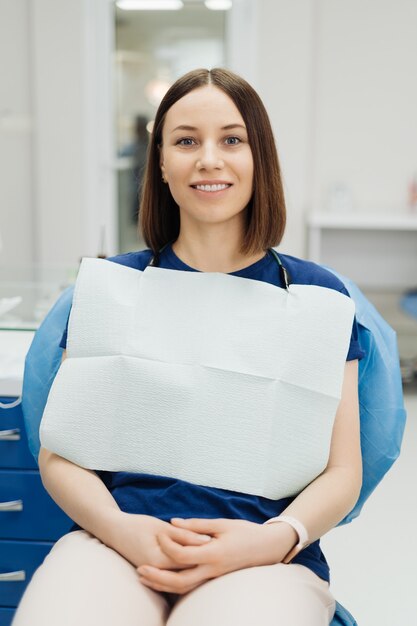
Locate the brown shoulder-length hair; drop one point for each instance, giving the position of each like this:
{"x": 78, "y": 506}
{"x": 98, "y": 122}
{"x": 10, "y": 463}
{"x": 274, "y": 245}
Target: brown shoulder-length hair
{"x": 159, "y": 217}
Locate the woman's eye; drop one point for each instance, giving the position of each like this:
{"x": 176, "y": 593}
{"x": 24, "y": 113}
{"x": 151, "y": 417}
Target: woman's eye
{"x": 232, "y": 141}
{"x": 185, "y": 141}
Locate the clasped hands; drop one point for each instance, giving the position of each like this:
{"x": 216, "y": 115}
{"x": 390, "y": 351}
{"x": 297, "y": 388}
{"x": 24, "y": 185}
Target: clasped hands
{"x": 226, "y": 545}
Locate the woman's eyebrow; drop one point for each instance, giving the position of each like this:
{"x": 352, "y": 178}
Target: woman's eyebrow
{"x": 193, "y": 128}
{"x": 229, "y": 126}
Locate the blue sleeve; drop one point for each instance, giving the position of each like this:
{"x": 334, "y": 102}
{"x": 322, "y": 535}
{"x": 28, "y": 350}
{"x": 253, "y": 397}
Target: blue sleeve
{"x": 63, "y": 342}
{"x": 355, "y": 348}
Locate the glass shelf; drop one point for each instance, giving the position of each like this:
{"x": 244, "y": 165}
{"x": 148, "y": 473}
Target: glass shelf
{"x": 25, "y": 303}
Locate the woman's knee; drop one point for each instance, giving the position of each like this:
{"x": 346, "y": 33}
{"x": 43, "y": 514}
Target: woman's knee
{"x": 279, "y": 595}
{"x": 82, "y": 581}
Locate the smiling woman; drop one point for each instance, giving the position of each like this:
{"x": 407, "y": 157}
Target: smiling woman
{"x": 210, "y": 170}
{"x": 212, "y": 436}
{"x": 212, "y": 129}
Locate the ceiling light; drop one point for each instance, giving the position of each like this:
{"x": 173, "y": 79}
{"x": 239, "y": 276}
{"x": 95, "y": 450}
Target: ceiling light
{"x": 218, "y": 5}
{"x": 150, "y": 5}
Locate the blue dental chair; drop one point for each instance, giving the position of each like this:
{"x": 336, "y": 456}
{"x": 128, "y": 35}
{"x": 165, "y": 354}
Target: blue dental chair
{"x": 382, "y": 413}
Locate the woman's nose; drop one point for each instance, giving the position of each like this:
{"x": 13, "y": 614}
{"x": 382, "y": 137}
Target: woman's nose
{"x": 209, "y": 157}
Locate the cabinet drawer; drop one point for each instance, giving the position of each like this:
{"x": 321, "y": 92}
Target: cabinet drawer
{"x": 19, "y": 557}
{"x": 14, "y": 450}
{"x": 39, "y": 518}
{"x": 6, "y": 616}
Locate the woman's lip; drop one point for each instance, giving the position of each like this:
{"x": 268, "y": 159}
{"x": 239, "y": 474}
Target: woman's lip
{"x": 211, "y": 193}
{"x": 210, "y": 182}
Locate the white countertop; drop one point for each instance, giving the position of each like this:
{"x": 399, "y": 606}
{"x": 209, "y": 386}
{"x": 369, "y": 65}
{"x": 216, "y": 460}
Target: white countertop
{"x": 14, "y": 345}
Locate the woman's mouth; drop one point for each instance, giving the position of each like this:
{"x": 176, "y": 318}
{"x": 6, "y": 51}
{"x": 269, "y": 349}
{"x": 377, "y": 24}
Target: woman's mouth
{"x": 212, "y": 188}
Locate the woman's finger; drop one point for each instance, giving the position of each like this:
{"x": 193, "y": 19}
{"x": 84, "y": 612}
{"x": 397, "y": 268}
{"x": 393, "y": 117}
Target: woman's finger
{"x": 153, "y": 586}
{"x": 187, "y": 537}
{"x": 173, "y": 582}
{"x": 185, "y": 555}
{"x": 199, "y": 525}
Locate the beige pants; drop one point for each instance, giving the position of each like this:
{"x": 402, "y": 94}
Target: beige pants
{"x": 82, "y": 582}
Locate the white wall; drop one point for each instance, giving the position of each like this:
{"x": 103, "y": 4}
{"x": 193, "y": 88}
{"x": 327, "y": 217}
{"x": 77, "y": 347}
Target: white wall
{"x": 57, "y": 184}
{"x": 338, "y": 81}
{"x": 73, "y": 156}
{"x": 57, "y": 70}
{"x": 16, "y": 203}
{"x": 366, "y": 94}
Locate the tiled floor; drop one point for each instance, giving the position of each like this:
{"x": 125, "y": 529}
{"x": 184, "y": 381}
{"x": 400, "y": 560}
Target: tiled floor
{"x": 374, "y": 559}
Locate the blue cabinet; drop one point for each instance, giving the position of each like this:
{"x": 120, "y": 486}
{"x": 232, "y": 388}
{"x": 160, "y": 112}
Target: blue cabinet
{"x": 30, "y": 521}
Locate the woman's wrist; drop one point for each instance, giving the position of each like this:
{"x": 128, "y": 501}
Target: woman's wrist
{"x": 280, "y": 538}
{"x": 108, "y": 526}
{"x": 299, "y": 528}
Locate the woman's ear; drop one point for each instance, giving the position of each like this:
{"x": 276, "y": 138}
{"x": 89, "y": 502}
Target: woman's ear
{"x": 161, "y": 163}
{"x": 164, "y": 180}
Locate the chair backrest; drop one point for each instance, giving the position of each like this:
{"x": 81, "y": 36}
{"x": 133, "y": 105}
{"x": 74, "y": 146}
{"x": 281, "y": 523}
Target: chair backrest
{"x": 41, "y": 365}
{"x": 342, "y": 617}
{"x": 381, "y": 402}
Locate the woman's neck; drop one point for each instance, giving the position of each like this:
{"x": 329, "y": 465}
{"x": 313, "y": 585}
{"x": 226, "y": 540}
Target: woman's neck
{"x": 213, "y": 258}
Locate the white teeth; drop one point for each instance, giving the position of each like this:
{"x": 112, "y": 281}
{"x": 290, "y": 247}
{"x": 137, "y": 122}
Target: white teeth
{"x": 211, "y": 187}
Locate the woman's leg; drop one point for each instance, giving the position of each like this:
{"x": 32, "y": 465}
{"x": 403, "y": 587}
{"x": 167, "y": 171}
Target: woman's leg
{"x": 82, "y": 582}
{"x": 271, "y": 595}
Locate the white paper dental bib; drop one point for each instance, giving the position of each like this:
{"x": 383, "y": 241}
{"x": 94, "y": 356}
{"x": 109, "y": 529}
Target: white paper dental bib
{"x": 214, "y": 379}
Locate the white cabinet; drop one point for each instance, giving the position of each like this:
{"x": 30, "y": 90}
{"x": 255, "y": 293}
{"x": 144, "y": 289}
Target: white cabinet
{"x": 374, "y": 250}
{"x": 379, "y": 253}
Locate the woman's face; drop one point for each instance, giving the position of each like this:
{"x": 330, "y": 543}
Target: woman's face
{"x": 206, "y": 158}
